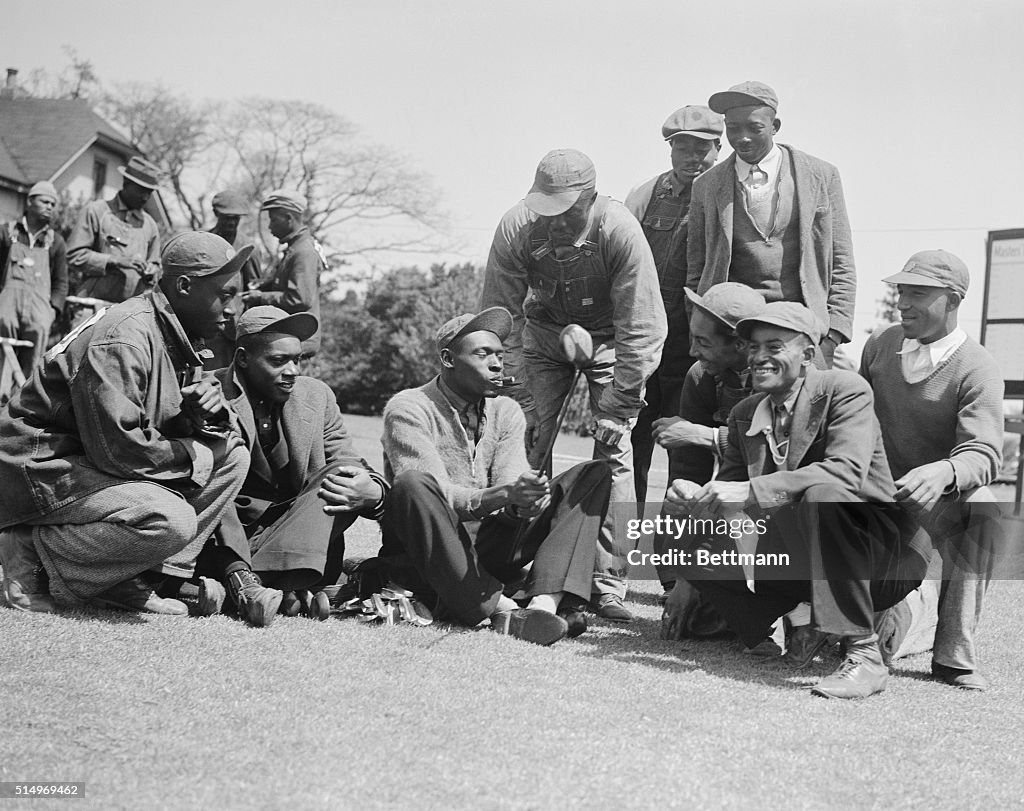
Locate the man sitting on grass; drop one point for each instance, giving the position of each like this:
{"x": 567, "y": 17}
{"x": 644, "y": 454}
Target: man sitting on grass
{"x": 805, "y": 454}
{"x": 466, "y": 509}
{"x": 306, "y": 484}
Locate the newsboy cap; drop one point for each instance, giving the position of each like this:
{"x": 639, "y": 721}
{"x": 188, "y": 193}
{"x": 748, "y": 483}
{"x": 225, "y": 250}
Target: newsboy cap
{"x": 229, "y": 203}
{"x": 43, "y": 187}
{"x": 284, "y": 198}
{"x": 787, "y": 314}
{"x": 934, "y": 269}
{"x": 728, "y": 302}
{"x": 200, "y": 253}
{"x": 494, "y": 319}
{"x": 696, "y": 120}
{"x": 273, "y": 319}
{"x": 744, "y": 94}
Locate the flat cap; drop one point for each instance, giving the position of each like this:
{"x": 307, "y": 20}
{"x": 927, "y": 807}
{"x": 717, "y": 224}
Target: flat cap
{"x": 43, "y": 187}
{"x": 494, "y": 319}
{"x": 787, "y": 314}
{"x": 562, "y": 176}
{"x": 728, "y": 302}
{"x": 934, "y": 269}
{"x": 230, "y": 203}
{"x": 142, "y": 173}
{"x": 273, "y": 319}
{"x": 200, "y": 253}
{"x": 285, "y": 198}
{"x": 696, "y": 120}
{"x": 744, "y": 94}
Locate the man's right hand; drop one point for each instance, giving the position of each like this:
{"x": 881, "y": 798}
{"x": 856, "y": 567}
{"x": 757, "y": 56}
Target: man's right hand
{"x": 126, "y": 263}
{"x": 679, "y": 607}
{"x": 530, "y": 494}
{"x": 675, "y": 432}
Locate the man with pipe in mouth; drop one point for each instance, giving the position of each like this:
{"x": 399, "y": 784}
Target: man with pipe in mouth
{"x": 566, "y": 255}
{"x": 466, "y": 509}
{"x": 805, "y": 454}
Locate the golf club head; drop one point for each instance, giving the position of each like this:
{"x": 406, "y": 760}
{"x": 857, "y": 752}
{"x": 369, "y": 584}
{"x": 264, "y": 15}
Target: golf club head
{"x": 577, "y": 345}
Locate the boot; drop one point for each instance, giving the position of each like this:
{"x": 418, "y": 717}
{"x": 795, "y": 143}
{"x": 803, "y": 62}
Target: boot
{"x": 257, "y": 605}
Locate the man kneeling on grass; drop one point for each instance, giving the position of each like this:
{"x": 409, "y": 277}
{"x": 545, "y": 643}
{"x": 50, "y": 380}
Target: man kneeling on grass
{"x": 306, "y": 484}
{"x": 466, "y": 509}
{"x": 805, "y": 457}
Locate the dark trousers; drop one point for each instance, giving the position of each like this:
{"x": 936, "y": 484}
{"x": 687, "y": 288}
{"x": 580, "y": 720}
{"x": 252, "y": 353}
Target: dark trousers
{"x": 662, "y": 394}
{"x": 290, "y": 545}
{"x": 467, "y": 573}
{"x": 849, "y": 559}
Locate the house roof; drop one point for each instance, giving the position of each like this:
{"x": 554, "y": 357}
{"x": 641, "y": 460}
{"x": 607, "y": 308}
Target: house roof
{"x": 39, "y": 136}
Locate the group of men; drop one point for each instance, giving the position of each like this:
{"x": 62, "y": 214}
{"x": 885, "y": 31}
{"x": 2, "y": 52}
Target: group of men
{"x": 131, "y": 471}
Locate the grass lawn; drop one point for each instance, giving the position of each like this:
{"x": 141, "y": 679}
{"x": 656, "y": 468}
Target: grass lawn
{"x": 208, "y": 713}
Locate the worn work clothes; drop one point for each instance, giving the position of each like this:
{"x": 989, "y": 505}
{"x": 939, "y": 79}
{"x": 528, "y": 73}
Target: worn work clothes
{"x": 662, "y": 206}
{"x": 608, "y": 285}
{"x": 105, "y": 229}
{"x": 279, "y": 512}
{"x": 100, "y": 416}
{"x": 954, "y": 414}
{"x": 467, "y": 573}
{"x": 294, "y": 284}
{"x": 858, "y": 547}
{"x": 827, "y": 275}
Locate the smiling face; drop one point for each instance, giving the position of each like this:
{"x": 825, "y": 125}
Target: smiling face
{"x": 714, "y": 346}
{"x": 926, "y": 313}
{"x": 691, "y": 156}
{"x": 473, "y": 364}
{"x": 269, "y": 364}
{"x": 751, "y": 131}
{"x": 778, "y": 359}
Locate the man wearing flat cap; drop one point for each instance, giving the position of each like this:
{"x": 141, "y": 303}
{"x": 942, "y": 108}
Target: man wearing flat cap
{"x": 805, "y": 454}
{"x": 464, "y": 506}
{"x": 33, "y": 275}
{"x": 294, "y": 284}
{"x": 306, "y": 483}
{"x": 119, "y": 458}
{"x": 662, "y": 206}
{"x": 939, "y": 399}
{"x": 565, "y": 255}
{"x": 229, "y": 207}
{"x": 774, "y": 218}
{"x": 114, "y": 249}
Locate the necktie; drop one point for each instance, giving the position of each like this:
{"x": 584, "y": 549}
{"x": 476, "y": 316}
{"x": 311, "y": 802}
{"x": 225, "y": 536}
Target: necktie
{"x": 757, "y": 177}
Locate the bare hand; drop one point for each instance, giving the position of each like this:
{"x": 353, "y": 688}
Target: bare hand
{"x": 347, "y": 489}
{"x": 203, "y": 401}
{"x": 609, "y": 430}
{"x": 675, "y": 432}
{"x": 679, "y": 497}
{"x": 923, "y": 486}
{"x": 679, "y": 607}
{"x": 530, "y": 494}
{"x": 717, "y": 498}
{"x": 251, "y": 297}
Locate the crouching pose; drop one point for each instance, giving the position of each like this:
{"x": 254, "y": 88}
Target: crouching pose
{"x": 285, "y": 539}
{"x": 805, "y": 456}
{"x": 466, "y": 509}
{"x": 117, "y": 460}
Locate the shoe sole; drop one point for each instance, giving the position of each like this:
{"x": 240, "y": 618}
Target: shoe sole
{"x": 815, "y": 691}
{"x": 538, "y": 627}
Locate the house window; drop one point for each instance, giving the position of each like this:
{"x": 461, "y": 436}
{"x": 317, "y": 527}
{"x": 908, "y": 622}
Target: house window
{"x": 99, "y": 178}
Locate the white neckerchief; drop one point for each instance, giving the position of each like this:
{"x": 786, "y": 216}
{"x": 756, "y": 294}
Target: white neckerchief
{"x": 918, "y": 360}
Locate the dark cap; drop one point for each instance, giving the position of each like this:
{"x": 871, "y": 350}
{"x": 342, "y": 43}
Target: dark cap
{"x": 562, "y": 176}
{"x": 494, "y": 319}
{"x": 934, "y": 269}
{"x": 229, "y": 203}
{"x": 728, "y": 302}
{"x": 744, "y": 94}
{"x": 273, "y": 319}
{"x": 696, "y": 120}
{"x": 787, "y": 314}
{"x": 142, "y": 173}
{"x": 200, "y": 253}
{"x": 284, "y": 198}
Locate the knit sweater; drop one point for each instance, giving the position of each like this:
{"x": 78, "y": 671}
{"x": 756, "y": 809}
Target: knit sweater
{"x": 422, "y": 432}
{"x": 955, "y": 413}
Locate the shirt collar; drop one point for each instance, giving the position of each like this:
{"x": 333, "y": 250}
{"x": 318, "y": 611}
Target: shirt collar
{"x": 458, "y": 403}
{"x": 937, "y": 350}
{"x": 294, "y": 235}
{"x": 769, "y": 164}
{"x": 761, "y": 421}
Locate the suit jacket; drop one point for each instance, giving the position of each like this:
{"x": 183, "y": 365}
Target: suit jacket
{"x": 828, "y": 277}
{"x": 834, "y": 439}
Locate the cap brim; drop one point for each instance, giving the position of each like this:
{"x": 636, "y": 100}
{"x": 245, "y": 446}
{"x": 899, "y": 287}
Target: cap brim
{"x": 494, "y": 319}
{"x": 233, "y": 265}
{"x": 727, "y": 99}
{"x": 232, "y": 212}
{"x": 551, "y": 205}
{"x": 915, "y": 279}
{"x": 698, "y": 302}
{"x": 704, "y": 136}
{"x": 138, "y": 181}
{"x": 302, "y": 325}
{"x": 746, "y": 326}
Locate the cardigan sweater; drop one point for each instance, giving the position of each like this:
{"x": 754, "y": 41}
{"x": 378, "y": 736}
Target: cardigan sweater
{"x": 422, "y": 431}
{"x": 955, "y": 413}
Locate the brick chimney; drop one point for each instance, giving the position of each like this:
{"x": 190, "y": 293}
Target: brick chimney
{"x": 11, "y": 85}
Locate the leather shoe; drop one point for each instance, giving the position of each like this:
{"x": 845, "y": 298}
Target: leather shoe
{"x": 574, "y": 611}
{"x": 257, "y": 605}
{"x": 610, "y": 607}
{"x": 137, "y": 595}
{"x": 804, "y": 643}
{"x": 530, "y": 625}
{"x": 860, "y": 675}
{"x": 957, "y": 677}
{"x": 25, "y": 585}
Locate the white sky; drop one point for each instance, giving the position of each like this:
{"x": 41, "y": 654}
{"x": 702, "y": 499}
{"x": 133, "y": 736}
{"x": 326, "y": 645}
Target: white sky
{"x": 912, "y": 100}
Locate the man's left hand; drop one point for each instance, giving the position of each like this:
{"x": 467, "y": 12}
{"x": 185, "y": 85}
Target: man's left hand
{"x": 923, "y": 486}
{"x": 609, "y": 430}
{"x": 717, "y": 497}
{"x": 203, "y": 402}
{"x": 347, "y": 489}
